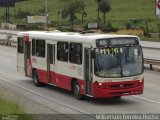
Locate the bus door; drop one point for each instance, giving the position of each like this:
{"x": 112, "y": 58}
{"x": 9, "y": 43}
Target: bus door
{"x": 27, "y": 58}
{"x": 51, "y": 63}
{"x": 88, "y": 71}
{"x": 20, "y": 55}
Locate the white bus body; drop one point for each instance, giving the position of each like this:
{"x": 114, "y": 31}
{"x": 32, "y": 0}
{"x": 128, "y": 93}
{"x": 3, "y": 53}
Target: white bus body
{"x": 78, "y": 62}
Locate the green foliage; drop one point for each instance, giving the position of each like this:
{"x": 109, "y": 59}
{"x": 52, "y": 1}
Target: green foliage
{"x": 23, "y": 14}
{"x": 128, "y": 25}
{"x": 104, "y": 7}
{"x": 9, "y": 107}
{"x": 123, "y": 11}
{"x": 108, "y": 28}
{"x": 98, "y": 8}
{"x": 11, "y": 110}
{"x": 73, "y": 7}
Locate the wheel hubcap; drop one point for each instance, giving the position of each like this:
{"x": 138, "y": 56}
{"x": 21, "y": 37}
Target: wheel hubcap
{"x": 35, "y": 79}
{"x": 76, "y": 89}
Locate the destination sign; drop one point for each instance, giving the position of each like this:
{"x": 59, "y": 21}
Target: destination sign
{"x": 117, "y": 41}
{"x": 105, "y": 51}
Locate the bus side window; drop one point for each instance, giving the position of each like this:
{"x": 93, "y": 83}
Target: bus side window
{"x": 20, "y": 45}
{"x": 75, "y": 55}
{"x": 62, "y": 51}
{"x": 40, "y": 48}
{"x": 33, "y": 47}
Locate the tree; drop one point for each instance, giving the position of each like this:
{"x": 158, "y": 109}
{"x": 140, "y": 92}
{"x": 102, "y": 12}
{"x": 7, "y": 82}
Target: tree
{"x": 98, "y": 8}
{"x": 104, "y": 7}
{"x": 23, "y": 14}
{"x": 72, "y": 8}
{"x": 84, "y": 14}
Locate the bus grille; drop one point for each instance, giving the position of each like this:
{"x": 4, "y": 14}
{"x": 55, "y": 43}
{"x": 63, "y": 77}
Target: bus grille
{"x": 121, "y": 86}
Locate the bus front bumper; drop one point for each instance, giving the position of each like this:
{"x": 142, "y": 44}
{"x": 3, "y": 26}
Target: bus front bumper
{"x": 115, "y": 89}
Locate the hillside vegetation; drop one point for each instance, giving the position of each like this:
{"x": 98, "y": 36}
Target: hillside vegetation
{"x": 122, "y": 12}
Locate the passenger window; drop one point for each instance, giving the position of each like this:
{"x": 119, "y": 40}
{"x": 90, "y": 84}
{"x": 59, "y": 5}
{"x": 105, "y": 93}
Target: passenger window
{"x": 75, "y": 55}
{"x": 33, "y": 47}
{"x": 62, "y": 51}
{"x": 20, "y": 45}
{"x": 40, "y": 48}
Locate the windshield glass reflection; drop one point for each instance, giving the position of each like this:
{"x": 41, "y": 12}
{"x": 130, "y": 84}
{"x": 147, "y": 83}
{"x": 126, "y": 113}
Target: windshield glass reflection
{"x": 118, "y": 61}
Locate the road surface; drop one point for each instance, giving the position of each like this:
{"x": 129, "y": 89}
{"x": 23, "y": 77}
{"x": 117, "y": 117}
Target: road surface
{"x": 58, "y": 101}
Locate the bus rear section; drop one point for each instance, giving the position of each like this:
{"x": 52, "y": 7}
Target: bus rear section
{"x": 96, "y": 66}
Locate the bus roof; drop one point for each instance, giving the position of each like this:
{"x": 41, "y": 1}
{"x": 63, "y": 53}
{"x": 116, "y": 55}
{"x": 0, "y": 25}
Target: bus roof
{"x": 69, "y": 36}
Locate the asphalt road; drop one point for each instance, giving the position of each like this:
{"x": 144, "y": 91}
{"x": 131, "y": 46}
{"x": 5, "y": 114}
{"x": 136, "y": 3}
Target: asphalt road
{"x": 151, "y": 53}
{"x": 61, "y": 101}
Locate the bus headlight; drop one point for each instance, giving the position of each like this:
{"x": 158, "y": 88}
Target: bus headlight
{"x": 100, "y": 84}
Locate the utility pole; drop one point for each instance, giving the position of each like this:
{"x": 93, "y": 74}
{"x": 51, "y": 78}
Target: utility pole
{"x": 6, "y": 14}
{"x": 46, "y": 14}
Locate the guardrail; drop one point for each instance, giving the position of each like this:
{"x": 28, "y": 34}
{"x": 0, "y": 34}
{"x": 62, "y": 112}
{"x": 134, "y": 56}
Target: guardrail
{"x": 8, "y": 42}
{"x": 151, "y": 48}
{"x": 151, "y": 62}
{"x": 8, "y": 39}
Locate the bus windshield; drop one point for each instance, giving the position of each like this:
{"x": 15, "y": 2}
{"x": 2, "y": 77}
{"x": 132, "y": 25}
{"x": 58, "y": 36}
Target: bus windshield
{"x": 118, "y": 61}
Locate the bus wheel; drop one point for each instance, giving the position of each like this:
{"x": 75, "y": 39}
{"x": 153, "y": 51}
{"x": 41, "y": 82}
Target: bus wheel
{"x": 36, "y": 79}
{"x": 76, "y": 91}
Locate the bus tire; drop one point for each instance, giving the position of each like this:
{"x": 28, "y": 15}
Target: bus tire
{"x": 36, "y": 79}
{"x": 76, "y": 91}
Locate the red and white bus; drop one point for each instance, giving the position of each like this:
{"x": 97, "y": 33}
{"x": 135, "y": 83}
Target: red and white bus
{"x": 95, "y": 65}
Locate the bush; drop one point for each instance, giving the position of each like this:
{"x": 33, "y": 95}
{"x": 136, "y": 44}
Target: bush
{"x": 108, "y": 28}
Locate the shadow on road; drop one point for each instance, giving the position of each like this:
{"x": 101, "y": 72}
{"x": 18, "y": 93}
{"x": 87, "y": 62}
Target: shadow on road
{"x": 88, "y": 100}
